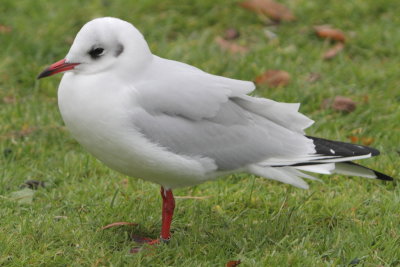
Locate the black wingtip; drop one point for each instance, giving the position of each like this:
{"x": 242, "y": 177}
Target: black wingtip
{"x": 379, "y": 175}
{"x": 337, "y": 148}
{"x": 382, "y": 176}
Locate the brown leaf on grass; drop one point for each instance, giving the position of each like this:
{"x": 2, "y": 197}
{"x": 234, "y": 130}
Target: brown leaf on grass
{"x": 231, "y": 46}
{"x": 333, "y": 51}
{"x": 9, "y": 99}
{"x": 233, "y": 263}
{"x": 366, "y": 141}
{"x": 269, "y": 8}
{"x": 5, "y": 29}
{"x": 326, "y": 32}
{"x": 339, "y": 103}
{"x": 231, "y": 34}
{"x": 354, "y": 139}
{"x": 117, "y": 224}
{"x": 273, "y": 78}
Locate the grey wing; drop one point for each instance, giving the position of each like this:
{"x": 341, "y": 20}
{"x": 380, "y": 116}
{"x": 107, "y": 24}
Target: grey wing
{"x": 176, "y": 88}
{"x": 193, "y": 113}
{"x": 234, "y": 138}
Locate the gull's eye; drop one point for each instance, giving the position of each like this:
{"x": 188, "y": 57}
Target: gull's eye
{"x": 96, "y": 52}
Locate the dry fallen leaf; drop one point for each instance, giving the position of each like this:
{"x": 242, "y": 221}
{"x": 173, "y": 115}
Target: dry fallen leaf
{"x": 231, "y": 34}
{"x": 230, "y": 46}
{"x": 233, "y": 263}
{"x": 273, "y": 78}
{"x": 353, "y": 139}
{"x": 333, "y": 51}
{"x": 117, "y": 224}
{"x": 269, "y": 8}
{"x": 341, "y": 103}
{"x": 5, "y": 29}
{"x": 327, "y": 32}
{"x": 366, "y": 141}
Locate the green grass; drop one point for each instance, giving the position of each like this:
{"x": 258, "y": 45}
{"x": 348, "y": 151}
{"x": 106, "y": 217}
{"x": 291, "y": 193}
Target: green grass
{"x": 260, "y": 222}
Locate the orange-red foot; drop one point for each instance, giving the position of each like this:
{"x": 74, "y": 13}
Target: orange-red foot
{"x": 145, "y": 241}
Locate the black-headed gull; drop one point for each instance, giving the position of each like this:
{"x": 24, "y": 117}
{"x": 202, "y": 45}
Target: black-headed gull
{"x": 172, "y": 124}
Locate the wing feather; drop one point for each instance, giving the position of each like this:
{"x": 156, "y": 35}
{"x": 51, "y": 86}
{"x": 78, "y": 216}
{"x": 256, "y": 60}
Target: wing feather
{"x": 194, "y": 113}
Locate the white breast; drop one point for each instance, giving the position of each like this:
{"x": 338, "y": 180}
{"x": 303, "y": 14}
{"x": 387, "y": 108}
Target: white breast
{"x": 98, "y": 118}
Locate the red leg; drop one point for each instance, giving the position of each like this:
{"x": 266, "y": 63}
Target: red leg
{"x": 168, "y": 207}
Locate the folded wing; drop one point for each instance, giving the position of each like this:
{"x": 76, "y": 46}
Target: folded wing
{"x": 193, "y": 113}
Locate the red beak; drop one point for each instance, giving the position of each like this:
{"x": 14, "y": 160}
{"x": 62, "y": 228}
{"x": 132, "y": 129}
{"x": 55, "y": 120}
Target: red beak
{"x": 57, "y": 67}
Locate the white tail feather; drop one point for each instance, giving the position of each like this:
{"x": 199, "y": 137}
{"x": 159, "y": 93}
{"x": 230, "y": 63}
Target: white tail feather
{"x": 293, "y": 175}
{"x": 286, "y": 175}
{"x": 310, "y": 159}
{"x": 327, "y": 168}
{"x": 353, "y": 170}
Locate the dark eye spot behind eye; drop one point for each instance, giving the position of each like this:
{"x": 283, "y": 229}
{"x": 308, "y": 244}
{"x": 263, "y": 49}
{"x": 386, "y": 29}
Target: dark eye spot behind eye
{"x": 95, "y": 53}
{"x": 120, "y": 49}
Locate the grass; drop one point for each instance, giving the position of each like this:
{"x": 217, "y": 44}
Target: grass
{"x": 263, "y": 223}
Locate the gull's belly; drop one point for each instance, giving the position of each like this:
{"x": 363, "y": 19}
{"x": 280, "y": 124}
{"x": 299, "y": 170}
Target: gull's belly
{"x": 99, "y": 121}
